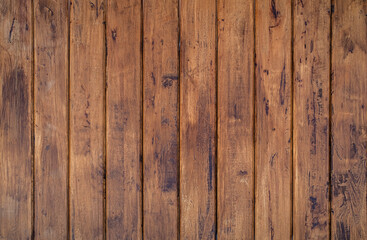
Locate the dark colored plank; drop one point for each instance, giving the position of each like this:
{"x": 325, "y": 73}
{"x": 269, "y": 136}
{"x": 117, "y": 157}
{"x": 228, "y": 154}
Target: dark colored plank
{"x": 235, "y": 119}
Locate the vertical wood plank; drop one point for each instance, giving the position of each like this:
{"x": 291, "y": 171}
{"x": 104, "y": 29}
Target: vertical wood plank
{"x": 311, "y": 119}
{"x": 273, "y": 120}
{"x": 349, "y": 120}
{"x": 123, "y": 182}
{"x": 235, "y": 119}
{"x": 51, "y": 118}
{"x": 198, "y": 119}
{"x": 86, "y": 119}
{"x": 160, "y": 119}
{"x": 15, "y": 119}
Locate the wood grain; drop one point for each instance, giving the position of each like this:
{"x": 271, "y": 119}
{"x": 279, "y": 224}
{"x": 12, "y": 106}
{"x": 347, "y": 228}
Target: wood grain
{"x": 273, "y": 120}
{"x": 51, "y": 118}
{"x": 15, "y": 119}
{"x": 311, "y": 119}
{"x": 235, "y": 119}
{"x": 349, "y": 120}
{"x": 198, "y": 119}
{"x": 87, "y": 89}
{"x": 123, "y": 182}
{"x": 160, "y": 125}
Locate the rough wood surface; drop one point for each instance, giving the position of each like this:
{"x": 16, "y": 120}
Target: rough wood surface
{"x": 349, "y": 120}
{"x": 311, "y": 119}
{"x": 235, "y": 119}
{"x": 197, "y": 119}
{"x": 273, "y": 120}
{"x": 123, "y": 177}
{"x": 51, "y": 119}
{"x": 160, "y": 125}
{"x": 87, "y": 60}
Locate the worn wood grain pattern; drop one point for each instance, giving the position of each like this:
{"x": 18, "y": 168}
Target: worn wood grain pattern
{"x": 123, "y": 182}
{"x": 235, "y": 119}
{"x": 51, "y": 118}
{"x": 311, "y": 119}
{"x": 198, "y": 119}
{"x": 15, "y": 119}
{"x": 87, "y": 89}
{"x": 273, "y": 120}
{"x": 160, "y": 125}
{"x": 349, "y": 120}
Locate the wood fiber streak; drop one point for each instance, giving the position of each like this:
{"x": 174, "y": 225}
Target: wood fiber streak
{"x": 349, "y": 120}
{"x": 87, "y": 119}
{"x": 124, "y": 218}
{"x": 273, "y": 120}
{"x": 235, "y": 119}
{"x": 160, "y": 119}
{"x": 198, "y": 119}
{"x": 311, "y": 119}
{"x": 51, "y": 118}
{"x": 15, "y": 119}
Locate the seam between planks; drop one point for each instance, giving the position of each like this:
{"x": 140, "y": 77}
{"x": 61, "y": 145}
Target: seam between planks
{"x": 292, "y": 118}
{"x": 216, "y": 120}
{"x": 142, "y": 114}
{"x": 68, "y": 124}
{"x": 254, "y": 117}
{"x": 179, "y": 124}
{"x": 105, "y": 121}
{"x": 33, "y": 211}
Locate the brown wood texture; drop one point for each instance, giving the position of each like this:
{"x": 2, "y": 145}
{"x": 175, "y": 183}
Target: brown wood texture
{"x": 87, "y": 89}
{"x": 311, "y": 79}
{"x": 235, "y": 119}
{"x": 16, "y": 119}
{"x": 160, "y": 118}
{"x": 51, "y": 119}
{"x": 349, "y": 120}
{"x": 123, "y": 103}
{"x": 273, "y": 161}
{"x": 183, "y": 119}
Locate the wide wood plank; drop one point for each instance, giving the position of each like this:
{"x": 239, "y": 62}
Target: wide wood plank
{"x": 15, "y": 119}
{"x": 51, "y": 118}
{"x": 197, "y": 119}
{"x": 235, "y": 119}
{"x": 87, "y": 89}
{"x": 311, "y": 119}
{"x": 123, "y": 182}
{"x": 273, "y": 120}
{"x": 349, "y": 120}
{"x": 160, "y": 119}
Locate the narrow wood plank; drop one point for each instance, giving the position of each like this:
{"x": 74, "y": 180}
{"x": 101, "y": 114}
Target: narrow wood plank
{"x": 15, "y": 119}
{"x": 51, "y": 118}
{"x": 160, "y": 119}
{"x": 124, "y": 218}
{"x": 235, "y": 119}
{"x": 197, "y": 119}
{"x": 349, "y": 120}
{"x": 86, "y": 119}
{"x": 311, "y": 119}
{"x": 273, "y": 120}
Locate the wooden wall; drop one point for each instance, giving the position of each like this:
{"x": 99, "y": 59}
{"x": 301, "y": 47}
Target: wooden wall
{"x": 183, "y": 119}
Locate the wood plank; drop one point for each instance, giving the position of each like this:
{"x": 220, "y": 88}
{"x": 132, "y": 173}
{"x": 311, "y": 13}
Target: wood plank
{"x": 15, "y": 119}
{"x": 349, "y": 120}
{"x": 235, "y": 119}
{"x": 273, "y": 120}
{"x": 87, "y": 89}
{"x": 160, "y": 119}
{"x": 311, "y": 119}
{"x": 124, "y": 213}
{"x": 51, "y": 119}
{"x": 197, "y": 119}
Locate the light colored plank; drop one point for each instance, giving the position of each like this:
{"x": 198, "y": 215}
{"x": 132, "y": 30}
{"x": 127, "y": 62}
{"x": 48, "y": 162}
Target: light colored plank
{"x": 51, "y": 119}
{"x": 349, "y": 120}
{"x": 197, "y": 119}
{"x": 15, "y": 119}
{"x": 160, "y": 119}
{"x": 235, "y": 119}
{"x": 273, "y": 120}
{"x": 123, "y": 181}
{"x": 87, "y": 59}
